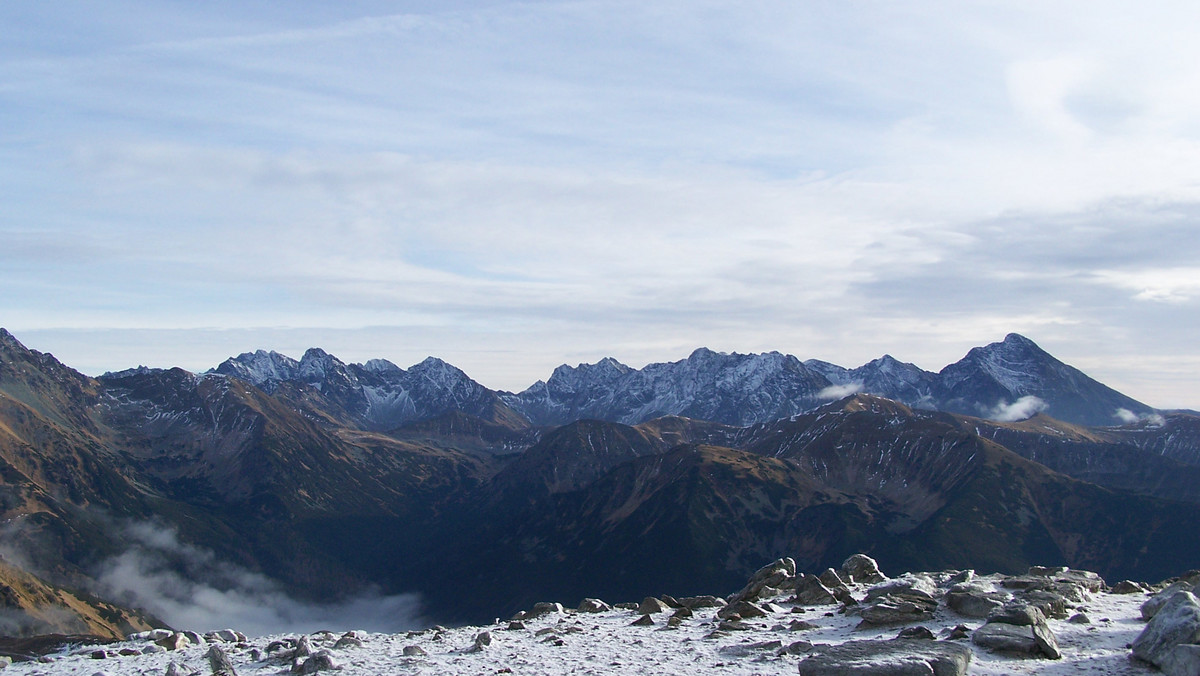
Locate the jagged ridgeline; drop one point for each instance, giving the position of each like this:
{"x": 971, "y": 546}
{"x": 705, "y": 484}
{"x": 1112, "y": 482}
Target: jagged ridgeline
{"x": 330, "y": 479}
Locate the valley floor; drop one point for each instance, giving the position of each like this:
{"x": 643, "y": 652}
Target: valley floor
{"x": 607, "y": 643}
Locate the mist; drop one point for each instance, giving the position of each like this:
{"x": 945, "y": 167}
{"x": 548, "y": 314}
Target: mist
{"x": 1025, "y": 407}
{"x": 189, "y": 588}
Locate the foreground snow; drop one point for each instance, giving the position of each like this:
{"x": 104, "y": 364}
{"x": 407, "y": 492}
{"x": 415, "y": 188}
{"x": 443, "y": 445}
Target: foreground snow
{"x": 607, "y": 643}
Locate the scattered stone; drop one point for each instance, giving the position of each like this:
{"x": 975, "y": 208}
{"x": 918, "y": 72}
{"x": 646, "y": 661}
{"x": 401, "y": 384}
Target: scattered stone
{"x": 734, "y": 625}
{"x": 516, "y": 625}
{"x": 175, "y": 669}
{"x": 775, "y": 575}
{"x": 744, "y": 609}
{"x": 1052, "y": 604}
{"x": 975, "y": 603}
{"x": 651, "y": 605}
{"x": 1019, "y": 614}
{"x": 695, "y": 602}
{"x": 128, "y": 652}
{"x": 1043, "y": 571}
{"x": 682, "y": 613}
{"x": 321, "y": 661}
{"x": 796, "y": 648}
{"x": 674, "y": 621}
{"x": 897, "y": 609}
{"x": 482, "y": 640}
{"x": 303, "y": 648}
{"x": 801, "y": 625}
{"x": 958, "y": 633}
{"x": 743, "y": 649}
{"x": 543, "y": 631}
{"x": 348, "y": 641}
{"x": 219, "y": 662}
{"x": 593, "y": 606}
{"x": 917, "y": 632}
{"x": 1171, "y": 641}
{"x": 810, "y": 591}
{"x": 414, "y": 651}
{"x": 643, "y": 621}
{"x": 897, "y": 657}
{"x": 1018, "y": 628}
{"x": 861, "y": 569}
{"x": 622, "y": 606}
{"x": 99, "y": 654}
{"x": 176, "y": 641}
{"x": 912, "y": 585}
{"x": 671, "y": 601}
{"x": 1006, "y": 638}
{"x": 153, "y": 649}
{"x": 1080, "y": 618}
{"x": 1127, "y": 587}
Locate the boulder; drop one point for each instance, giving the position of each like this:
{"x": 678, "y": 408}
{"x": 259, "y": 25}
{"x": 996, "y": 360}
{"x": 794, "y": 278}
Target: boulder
{"x": 861, "y": 569}
{"x": 651, "y": 606}
{"x": 897, "y": 657}
{"x": 776, "y": 575}
{"x": 1154, "y": 603}
{"x": 1019, "y": 614}
{"x": 975, "y": 603}
{"x": 1050, "y": 603}
{"x": 1006, "y": 638}
{"x": 695, "y": 602}
{"x": 643, "y": 621}
{"x": 897, "y": 609}
{"x": 1018, "y": 628}
{"x": 321, "y": 661}
{"x": 414, "y": 651}
{"x": 1171, "y": 640}
{"x": 219, "y": 662}
{"x": 743, "y": 609}
{"x": 913, "y": 584}
{"x": 176, "y": 641}
{"x": 810, "y": 591}
{"x": 593, "y": 605}
{"x": 482, "y": 640}
{"x": 1127, "y": 587}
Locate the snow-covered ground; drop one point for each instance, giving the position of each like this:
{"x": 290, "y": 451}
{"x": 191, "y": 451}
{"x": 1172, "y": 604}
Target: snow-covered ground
{"x": 608, "y": 643}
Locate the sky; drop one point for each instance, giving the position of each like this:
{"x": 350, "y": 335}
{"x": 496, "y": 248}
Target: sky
{"x": 510, "y": 186}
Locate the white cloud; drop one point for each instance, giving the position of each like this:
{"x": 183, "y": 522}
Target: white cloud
{"x": 840, "y": 391}
{"x": 1128, "y": 417}
{"x": 1025, "y": 407}
{"x": 190, "y": 588}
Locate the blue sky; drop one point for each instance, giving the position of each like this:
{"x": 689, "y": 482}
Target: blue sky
{"x": 511, "y": 186}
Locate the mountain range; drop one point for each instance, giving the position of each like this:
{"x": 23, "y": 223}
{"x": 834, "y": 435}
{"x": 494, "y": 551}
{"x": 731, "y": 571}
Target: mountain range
{"x": 330, "y": 478}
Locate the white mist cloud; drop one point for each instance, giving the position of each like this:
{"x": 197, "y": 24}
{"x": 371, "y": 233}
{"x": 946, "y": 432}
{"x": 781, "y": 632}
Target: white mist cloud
{"x": 188, "y": 587}
{"x": 839, "y": 391}
{"x": 1025, "y": 407}
{"x": 1128, "y": 417}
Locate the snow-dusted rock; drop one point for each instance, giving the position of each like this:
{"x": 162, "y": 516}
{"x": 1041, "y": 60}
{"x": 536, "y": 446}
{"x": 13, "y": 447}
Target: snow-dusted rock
{"x": 897, "y": 657}
{"x": 593, "y": 606}
{"x": 1171, "y": 641}
{"x": 651, "y": 606}
{"x": 219, "y": 662}
{"x": 861, "y": 569}
{"x": 1153, "y": 604}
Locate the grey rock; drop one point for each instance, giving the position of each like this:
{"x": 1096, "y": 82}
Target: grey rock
{"x": 1171, "y": 640}
{"x": 1006, "y": 638}
{"x": 683, "y": 613}
{"x": 918, "y": 632}
{"x": 414, "y": 651}
{"x": 516, "y": 625}
{"x": 482, "y": 640}
{"x": 176, "y": 641}
{"x": 801, "y": 625}
{"x": 195, "y": 638}
{"x": 897, "y": 657}
{"x": 219, "y": 662}
{"x": 695, "y": 602}
{"x": 1017, "y": 613}
{"x": 1080, "y": 618}
{"x": 1127, "y": 587}
{"x": 975, "y": 603}
{"x": 643, "y": 621}
{"x": 153, "y": 649}
{"x": 914, "y": 585}
{"x": 775, "y": 575}
{"x": 742, "y": 649}
{"x": 1154, "y": 603}
{"x": 810, "y": 591}
{"x": 593, "y": 606}
{"x": 1047, "y": 643}
{"x": 897, "y": 609}
{"x": 652, "y": 606}
{"x": 1050, "y": 603}
{"x": 861, "y": 569}
{"x": 796, "y": 648}
{"x": 321, "y": 661}
{"x": 831, "y": 579}
{"x": 348, "y": 641}
{"x": 743, "y": 609}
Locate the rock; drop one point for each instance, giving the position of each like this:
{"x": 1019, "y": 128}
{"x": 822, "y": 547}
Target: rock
{"x": 1019, "y": 614}
{"x": 897, "y": 609}
{"x": 958, "y": 633}
{"x": 975, "y": 603}
{"x": 174, "y": 669}
{"x": 1006, "y": 638}
{"x": 176, "y": 641}
{"x": 695, "y": 602}
{"x": 743, "y": 609}
{"x": 321, "y": 661}
{"x": 777, "y": 574}
{"x": 796, "y": 648}
{"x": 226, "y": 635}
{"x": 1152, "y": 605}
{"x": 348, "y": 641}
{"x": 643, "y": 621}
{"x": 414, "y": 651}
{"x": 913, "y": 584}
{"x": 128, "y": 652}
{"x": 544, "y": 608}
{"x": 861, "y": 569}
{"x": 1080, "y": 618}
{"x": 742, "y": 649}
{"x": 831, "y": 579}
{"x": 1171, "y": 640}
{"x": 516, "y": 625}
{"x": 593, "y": 606}
{"x": 98, "y": 654}
{"x": 1047, "y": 643}
{"x": 303, "y": 648}
{"x": 1127, "y": 587}
{"x": 917, "y": 632}
{"x": 810, "y": 591}
{"x": 651, "y": 606}
{"x": 482, "y": 640}
{"x": 1043, "y": 571}
{"x": 153, "y": 649}
{"x": 1050, "y": 603}
{"x": 674, "y": 621}
{"x": 152, "y": 635}
{"x": 219, "y": 662}
{"x": 682, "y": 613}
{"x": 801, "y": 625}
{"x": 897, "y": 657}
{"x": 733, "y": 625}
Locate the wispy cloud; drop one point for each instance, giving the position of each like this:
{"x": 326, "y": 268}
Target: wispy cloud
{"x": 1025, "y": 407}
